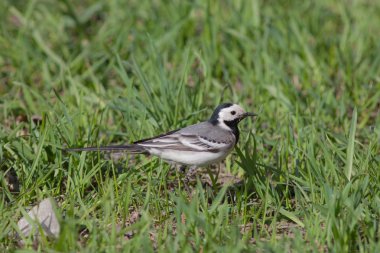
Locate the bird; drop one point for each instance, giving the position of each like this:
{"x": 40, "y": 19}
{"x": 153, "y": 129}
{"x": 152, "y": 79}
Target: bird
{"x": 197, "y": 145}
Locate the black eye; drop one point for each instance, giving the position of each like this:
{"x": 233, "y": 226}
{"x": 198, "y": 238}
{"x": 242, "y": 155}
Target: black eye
{"x": 233, "y": 112}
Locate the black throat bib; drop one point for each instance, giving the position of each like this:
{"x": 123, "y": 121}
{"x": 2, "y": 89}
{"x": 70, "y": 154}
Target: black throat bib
{"x": 233, "y": 125}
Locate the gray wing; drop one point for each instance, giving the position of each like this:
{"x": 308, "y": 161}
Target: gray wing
{"x": 200, "y": 137}
{"x": 210, "y": 132}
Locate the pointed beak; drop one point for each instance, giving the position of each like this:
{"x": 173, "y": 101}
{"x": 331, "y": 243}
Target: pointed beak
{"x": 249, "y": 114}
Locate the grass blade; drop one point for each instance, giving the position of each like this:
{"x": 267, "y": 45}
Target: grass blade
{"x": 351, "y": 144}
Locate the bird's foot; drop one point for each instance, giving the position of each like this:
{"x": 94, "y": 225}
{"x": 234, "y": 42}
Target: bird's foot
{"x": 182, "y": 169}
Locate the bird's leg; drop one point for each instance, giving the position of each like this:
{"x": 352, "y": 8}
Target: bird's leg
{"x": 190, "y": 174}
{"x": 192, "y": 170}
{"x": 185, "y": 175}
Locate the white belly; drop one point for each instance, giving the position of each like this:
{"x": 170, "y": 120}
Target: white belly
{"x": 189, "y": 157}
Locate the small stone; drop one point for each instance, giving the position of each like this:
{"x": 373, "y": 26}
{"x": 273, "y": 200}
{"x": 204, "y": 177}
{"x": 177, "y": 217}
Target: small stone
{"x": 41, "y": 215}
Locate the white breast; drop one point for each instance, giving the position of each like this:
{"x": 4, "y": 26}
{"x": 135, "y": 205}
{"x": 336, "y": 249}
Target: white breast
{"x": 190, "y": 157}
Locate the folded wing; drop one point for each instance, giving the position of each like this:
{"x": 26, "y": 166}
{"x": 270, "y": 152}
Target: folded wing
{"x": 185, "y": 142}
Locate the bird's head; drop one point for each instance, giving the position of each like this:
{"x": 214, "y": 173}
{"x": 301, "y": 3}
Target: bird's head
{"x": 228, "y": 115}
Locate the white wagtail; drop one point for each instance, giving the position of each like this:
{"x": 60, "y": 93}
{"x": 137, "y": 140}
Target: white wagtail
{"x": 197, "y": 145}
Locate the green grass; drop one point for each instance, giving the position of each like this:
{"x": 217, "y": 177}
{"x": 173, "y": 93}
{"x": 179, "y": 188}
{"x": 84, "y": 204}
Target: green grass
{"x": 98, "y": 72}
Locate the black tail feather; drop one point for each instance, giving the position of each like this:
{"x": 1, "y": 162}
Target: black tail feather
{"x": 132, "y": 149}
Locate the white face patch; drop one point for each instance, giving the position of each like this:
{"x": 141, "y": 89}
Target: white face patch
{"x": 229, "y": 114}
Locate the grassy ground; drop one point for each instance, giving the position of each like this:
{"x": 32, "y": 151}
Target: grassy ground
{"x": 98, "y": 72}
